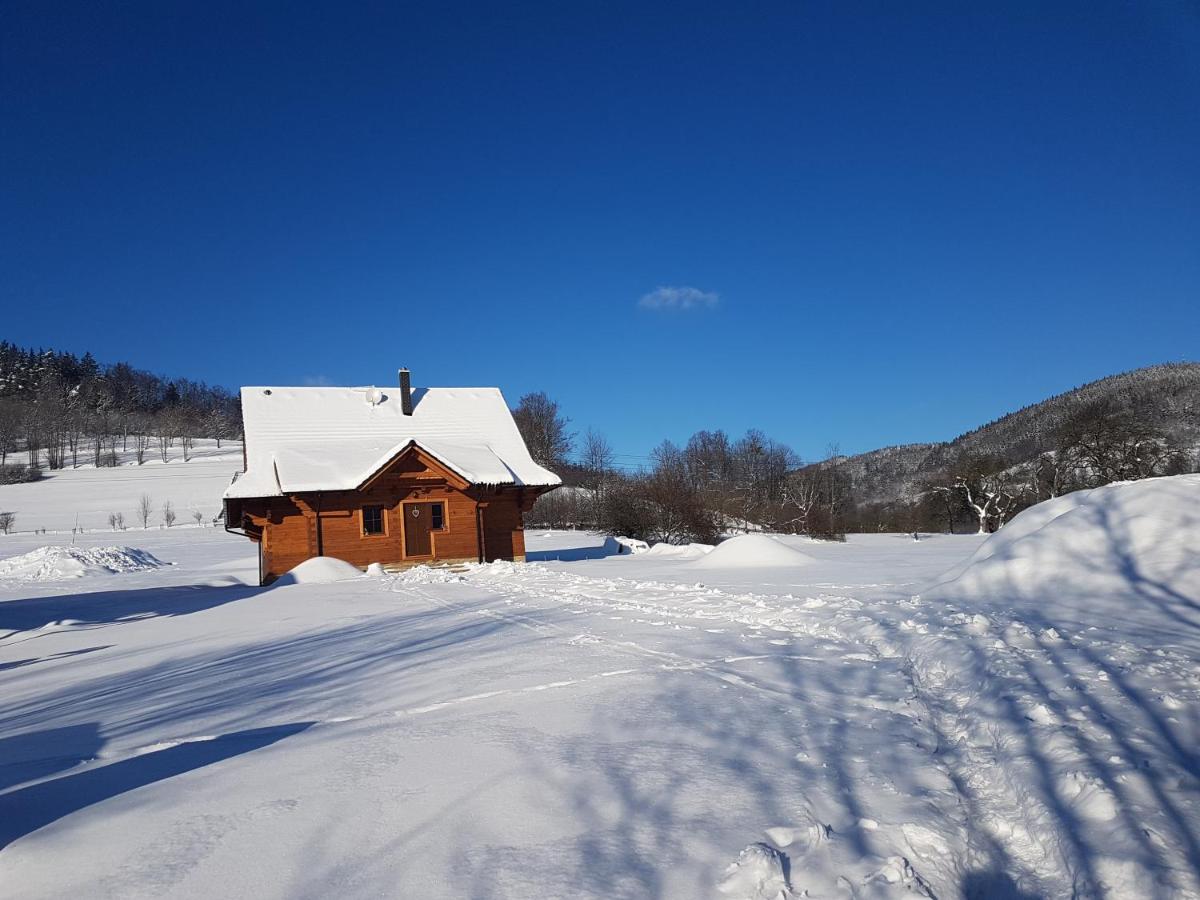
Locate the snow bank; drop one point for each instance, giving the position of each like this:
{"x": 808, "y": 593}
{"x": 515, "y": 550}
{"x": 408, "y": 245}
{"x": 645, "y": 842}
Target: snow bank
{"x": 679, "y": 551}
{"x": 617, "y": 546}
{"x": 56, "y": 563}
{"x": 320, "y": 570}
{"x": 1108, "y": 546}
{"x": 752, "y": 551}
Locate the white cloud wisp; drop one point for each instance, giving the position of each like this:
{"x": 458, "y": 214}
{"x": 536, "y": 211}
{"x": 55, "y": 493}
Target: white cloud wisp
{"x": 678, "y": 299}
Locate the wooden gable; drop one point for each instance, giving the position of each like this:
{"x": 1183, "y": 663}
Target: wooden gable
{"x": 413, "y": 465}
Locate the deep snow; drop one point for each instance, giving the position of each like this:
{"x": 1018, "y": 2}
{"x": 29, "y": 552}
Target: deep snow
{"x": 625, "y": 726}
{"x": 321, "y": 570}
{"x": 56, "y": 563}
{"x": 752, "y": 551}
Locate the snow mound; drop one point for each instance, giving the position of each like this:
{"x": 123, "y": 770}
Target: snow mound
{"x": 617, "y": 546}
{"x": 677, "y": 551}
{"x": 1109, "y": 546}
{"x": 757, "y": 874}
{"x": 320, "y": 570}
{"x": 752, "y": 551}
{"x": 55, "y": 563}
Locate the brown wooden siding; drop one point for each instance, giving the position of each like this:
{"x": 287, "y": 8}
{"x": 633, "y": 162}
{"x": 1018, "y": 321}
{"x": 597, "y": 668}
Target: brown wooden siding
{"x": 289, "y": 526}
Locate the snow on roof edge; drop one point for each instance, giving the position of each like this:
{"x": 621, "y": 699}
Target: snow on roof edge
{"x": 305, "y": 439}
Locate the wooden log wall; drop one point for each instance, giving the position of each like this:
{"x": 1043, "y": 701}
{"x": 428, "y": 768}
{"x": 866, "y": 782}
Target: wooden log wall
{"x": 290, "y": 531}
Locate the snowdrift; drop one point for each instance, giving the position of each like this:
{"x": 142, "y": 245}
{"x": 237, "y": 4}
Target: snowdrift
{"x": 319, "y": 570}
{"x": 679, "y": 551}
{"x": 57, "y": 563}
{"x": 752, "y": 551}
{"x": 617, "y": 546}
{"x": 1111, "y": 546}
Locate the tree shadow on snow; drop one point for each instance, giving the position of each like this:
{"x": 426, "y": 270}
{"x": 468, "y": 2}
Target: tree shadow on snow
{"x": 266, "y": 679}
{"x": 50, "y": 657}
{"x": 570, "y": 554}
{"x": 36, "y": 754}
{"x": 696, "y": 771}
{"x": 107, "y": 607}
{"x": 725, "y": 750}
{"x": 25, "y": 810}
{"x": 993, "y": 886}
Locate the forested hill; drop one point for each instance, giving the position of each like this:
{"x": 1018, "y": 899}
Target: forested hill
{"x": 53, "y": 404}
{"x": 27, "y": 373}
{"x": 1165, "y": 397}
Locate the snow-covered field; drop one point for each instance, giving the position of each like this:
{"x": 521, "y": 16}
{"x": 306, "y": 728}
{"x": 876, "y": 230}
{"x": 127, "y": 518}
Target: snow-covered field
{"x": 843, "y": 720}
{"x": 85, "y": 496}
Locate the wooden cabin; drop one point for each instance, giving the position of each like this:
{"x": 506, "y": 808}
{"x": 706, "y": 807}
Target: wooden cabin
{"x": 397, "y": 476}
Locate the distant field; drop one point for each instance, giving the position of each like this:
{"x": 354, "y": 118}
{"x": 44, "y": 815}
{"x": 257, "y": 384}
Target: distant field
{"x": 88, "y": 495}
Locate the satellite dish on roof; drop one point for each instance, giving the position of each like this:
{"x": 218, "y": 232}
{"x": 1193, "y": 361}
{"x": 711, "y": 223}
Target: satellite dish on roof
{"x": 374, "y": 396}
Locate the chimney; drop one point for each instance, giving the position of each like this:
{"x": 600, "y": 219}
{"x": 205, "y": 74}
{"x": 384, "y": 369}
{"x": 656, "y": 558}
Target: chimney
{"x": 405, "y": 393}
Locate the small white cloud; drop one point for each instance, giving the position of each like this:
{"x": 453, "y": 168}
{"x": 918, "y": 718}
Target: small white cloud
{"x": 679, "y": 299}
{"x": 316, "y": 381}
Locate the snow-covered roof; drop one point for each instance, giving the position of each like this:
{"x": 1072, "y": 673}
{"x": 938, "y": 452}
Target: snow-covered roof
{"x": 325, "y": 439}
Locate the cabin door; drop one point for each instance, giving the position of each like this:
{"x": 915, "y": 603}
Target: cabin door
{"x": 417, "y": 526}
{"x": 498, "y": 531}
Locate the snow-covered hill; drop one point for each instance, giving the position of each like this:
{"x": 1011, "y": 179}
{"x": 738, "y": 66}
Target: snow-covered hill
{"x": 1166, "y": 395}
{"x": 88, "y": 495}
{"x": 881, "y": 718}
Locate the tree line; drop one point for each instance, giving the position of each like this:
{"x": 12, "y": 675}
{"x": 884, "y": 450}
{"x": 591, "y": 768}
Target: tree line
{"x": 715, "y": 484}
{"x": 712, "y": 485}
{"x": 65, "y": 410}
{"x": 1101, "y": 442}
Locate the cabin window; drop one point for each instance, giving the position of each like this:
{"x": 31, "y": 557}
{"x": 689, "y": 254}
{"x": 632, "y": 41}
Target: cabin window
{"x": 437, "y": 519}
{"x": 372, "y": 520}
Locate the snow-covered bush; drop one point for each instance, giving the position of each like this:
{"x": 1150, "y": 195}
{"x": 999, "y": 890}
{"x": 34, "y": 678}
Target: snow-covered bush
{"x": 19, "y": 474}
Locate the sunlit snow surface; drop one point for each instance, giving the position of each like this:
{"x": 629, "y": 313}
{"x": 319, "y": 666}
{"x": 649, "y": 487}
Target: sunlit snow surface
{"x": 621, "y": 727}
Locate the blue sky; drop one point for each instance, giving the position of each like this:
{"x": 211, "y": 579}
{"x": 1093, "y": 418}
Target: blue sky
{"x": 874, "y": 223}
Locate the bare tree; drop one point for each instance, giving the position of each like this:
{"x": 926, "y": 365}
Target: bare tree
{"x": 7, "y": 520}
{"x": 168, "y": 513}
{"x": 164, "y": 433}
{"x": 187, "y": 421}
{"x": 74, "y": 430}
{"x": 991, "y": 491}
{"x": 1049, "y": 475}
{"x": 141, "y": 442}
{"x": 677, "y": 511}
{"x": 596, "y": 455}
{"x": 10, "y": 427}
{"x": 112, "y": 521}
{"x": 145, "y": 507}
{"x": 31, "y": 425}
{"x": 981, "y": 499}
{"x": 47, "y": 422}
{"x": 10, "y": 423}
{"x": 596, "y": 459}
{"x": 198, "y": 516}
{"x": 835, "y": 489}
{"x": 1102, "y": 443}
{"x": 801, "y": 494}
{"x": 948, "y": 496}
{"x": 544, "y": 429}
{"x": 216, "y": 424}
{"x": 760, "y": 470}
